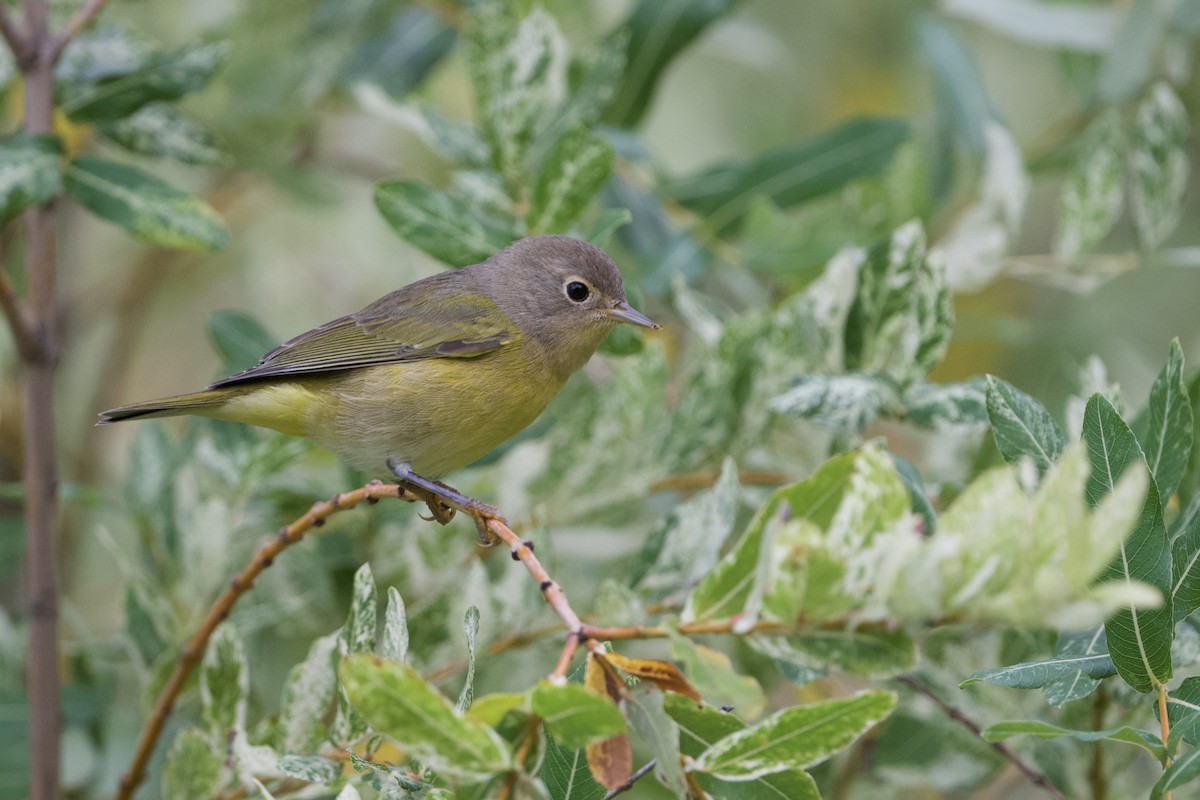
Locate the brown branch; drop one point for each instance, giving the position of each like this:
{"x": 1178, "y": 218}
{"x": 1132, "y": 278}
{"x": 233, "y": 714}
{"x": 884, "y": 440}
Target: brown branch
{"x": 642, "y": 772}
{"x": 1036, "y": 778}
{"x": 78, "y": 21}
{"x": 695, "y": 481}
{"x": 241, "y": 583}
{"x": 29, "y": 346}
{"x": 14, "y": 36}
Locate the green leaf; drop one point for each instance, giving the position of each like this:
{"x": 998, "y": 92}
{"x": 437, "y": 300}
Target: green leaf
{"x": 566, "y": 775}
{"x": 166, "y": 76}
{"x": 660, "y": 733}
{"x": 394, "y": 644}
{"x": 307, "y": 694}
{"x": 1081, "y": 683}
{"x": 685, "y": 546}
{"x": 1022, "y": 427}
{"x": 414, "y": 43}
{"x": 701, "y": 726}
{"x": 1091, "y": 196}
{"x": 163, "y": 131}
{"x": 795, "y": 737}
{"x": 239, "y": 339}
{"x": 1044, "y": 730}
{"x": 359, "y": 633}
{"x": 1164, "y": 429}
{"x": 867, "y": 651}
{"x": 147, "y": 621}
{"x": 144, "y": 205}
{"x": 1036, "y": 674}
{"x": 575, "y": 716}
{"x": 471, "y": 629}
{"x": 658, "y": 31}
{"x": 1185, "y": 560}
{"x": 224, "y": 681}
{"x": 1158, "y": 165}
{"x": 1130, "y": 62}
{"x": 311, "y": 769}
{"x": 400, "y": 704}
{"x": 442, "y": 225}
{"x": 574, "y": 171}
{"x": 1139, "y": 639}
{"x": 29, "y": 172}
{"x": 848, "y": 402}
{"x": 192, "y": 769}
{"x": 918, "y": 493}
{"x": 1183, "y": 712}
{"x": 946, "y": 406}
{"x": 794, "y": 174}
{"x": 712, "y": 673}
{"x": 606, "y": 224}
{"x": 901, "y": 319}
{"x": 1183, "y": 770}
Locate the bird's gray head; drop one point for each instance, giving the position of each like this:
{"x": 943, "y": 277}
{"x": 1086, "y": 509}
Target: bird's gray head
{"x": 564, "y": 293}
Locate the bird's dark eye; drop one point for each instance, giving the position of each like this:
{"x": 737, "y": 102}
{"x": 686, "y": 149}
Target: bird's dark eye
{"x": 578, "y": 291}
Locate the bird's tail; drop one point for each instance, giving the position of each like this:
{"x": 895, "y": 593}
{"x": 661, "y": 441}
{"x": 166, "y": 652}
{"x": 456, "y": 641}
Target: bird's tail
{"x": 201, "y": 403}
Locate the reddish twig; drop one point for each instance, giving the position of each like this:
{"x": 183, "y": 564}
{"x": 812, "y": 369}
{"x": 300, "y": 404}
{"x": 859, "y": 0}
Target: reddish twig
{"x": 241, "y": 583}
{"x": 642, "y": 772}
{"x": 1036, "y": 778}
{"x": 78, "y": 21}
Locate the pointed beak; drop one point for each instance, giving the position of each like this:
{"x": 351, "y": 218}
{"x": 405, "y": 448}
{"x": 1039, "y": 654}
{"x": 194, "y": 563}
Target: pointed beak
{"x": 621, "y": 312}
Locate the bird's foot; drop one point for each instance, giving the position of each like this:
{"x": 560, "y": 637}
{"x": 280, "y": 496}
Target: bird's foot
{"x": 443, "y": 501}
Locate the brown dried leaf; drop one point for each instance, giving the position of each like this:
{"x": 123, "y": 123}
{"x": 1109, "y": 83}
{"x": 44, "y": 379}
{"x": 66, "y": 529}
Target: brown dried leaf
{"x": 601, "y": 678}
{"x": 663, "y": 674}
{"x": 611, "y": 761}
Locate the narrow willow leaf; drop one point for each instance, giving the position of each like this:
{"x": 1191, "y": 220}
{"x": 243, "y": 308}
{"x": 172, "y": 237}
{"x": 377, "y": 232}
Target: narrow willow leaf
{"x": 1044, "y": 730}
{"x": 1091, "y": 196}
{"x": 661, "y": 736}
{"x": 712, "y": 673}
{"x": 685, "y": 546}
{"x": 400, "y": 704}
{"x": 163, "y": 131}
{"x": 147, "y": 621}
{"x": 192, "y": 769}
{"x": 848, "y": 402}
{"x": 144, "y": 205}
{"x": 917, "y": 492}
{"x": 795, "y": 737}
{"x": 443, "y": 226}
{"x": 1036, "y": 674}
{"x": 1158, "y": 165}
{"x": 947, "y": 406}
{"x": 575, "y": 716}
{"x": 307, "y": 694}
{"x": 607, "y": 223}
{"x": 29, "y": 172}
{"x": 901, "y": 318}
{"x": 663, "y": 674}
{"x": 224, "y": 681}
{"x": 793, "y": 174}
{"x": 1022, "y": 427}
{"x": 1138, "y": 639}
{"x": 239, "y": 339}
{"x": 359, "y": 633}
{"x": 1164, "y": 428}
{"x": 566, "y": 775}
{"x": 658, "y": 31}
{"x": 1183, "y": 770}
{"x": 165, "y": 76}
{"x": 867, "y": 651}
{"x": 311, "y": 769}
{"x": 1185, "y": 560}
{"x": 399, "y": 59}
{"x": 394, "y": 644}
{"x": 471, "y": 629}
{"x": 701, "y": 726}
{"x": 1083, "y": 682}
{"x": 574, "y": 171}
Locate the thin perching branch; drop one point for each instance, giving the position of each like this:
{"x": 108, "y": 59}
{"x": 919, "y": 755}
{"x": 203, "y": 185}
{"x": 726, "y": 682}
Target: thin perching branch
{"x": 14, "y": 36}
{"x": 78, "y": 21}
{"x": 28, "y": 344}
{"x": 1036, "y": 778}
{"x": 642, "y": 772}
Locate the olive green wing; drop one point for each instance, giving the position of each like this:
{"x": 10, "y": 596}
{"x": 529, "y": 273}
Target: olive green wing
{"x": 429, "y": 319}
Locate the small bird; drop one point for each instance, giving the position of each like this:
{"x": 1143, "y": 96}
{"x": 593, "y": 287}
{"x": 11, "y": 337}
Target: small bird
{"x": 434, "y": 375}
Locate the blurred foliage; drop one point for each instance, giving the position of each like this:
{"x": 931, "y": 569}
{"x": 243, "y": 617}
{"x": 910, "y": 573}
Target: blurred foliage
{"x": 875, "y": 234}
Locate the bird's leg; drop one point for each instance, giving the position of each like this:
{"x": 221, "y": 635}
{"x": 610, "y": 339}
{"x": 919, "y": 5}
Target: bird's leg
{"x": 444, "y": 500}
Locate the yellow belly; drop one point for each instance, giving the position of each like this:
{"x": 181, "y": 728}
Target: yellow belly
{"x": 435, "y": 414}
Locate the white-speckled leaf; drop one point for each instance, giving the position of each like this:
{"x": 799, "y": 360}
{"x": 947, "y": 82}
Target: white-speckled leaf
{"x": 192, "y": 769}
{"x": 1091, "y": 196}
{"x": 307, "y": 694}
{"x": 394, "y": 640}
{"x": 442, "y": 225}
{"x": 574, "y": 171}
{"x": 848, "y": 402}
{"x": 224, "y": 681}
{"x": 162, "y": 130}
{"x": 29, "y": 173}
{"x": 947, "y": 406}
{"x": 1158, "y": 165}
